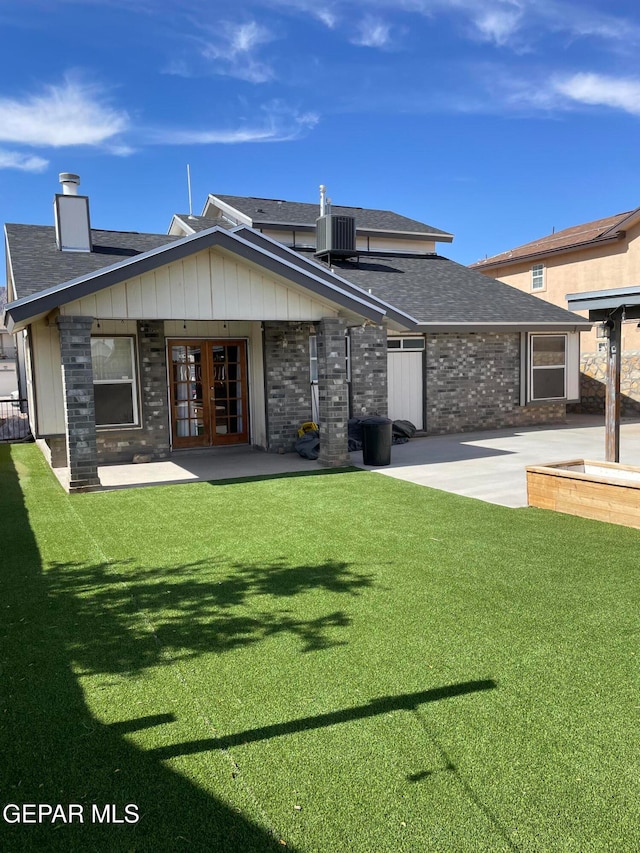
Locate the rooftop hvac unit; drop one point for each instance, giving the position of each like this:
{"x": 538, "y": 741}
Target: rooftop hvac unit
{"x": 336, "y": 236}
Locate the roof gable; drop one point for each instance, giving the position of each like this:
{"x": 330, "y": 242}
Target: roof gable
{"x": 287, "y": 267}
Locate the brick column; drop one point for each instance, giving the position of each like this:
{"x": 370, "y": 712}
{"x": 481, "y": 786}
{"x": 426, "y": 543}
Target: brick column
{"x": 79, "y": 407}
{"x": 368, "y": 386}
{"x": 155, "y": 392}
{"x": 332, "y": 393}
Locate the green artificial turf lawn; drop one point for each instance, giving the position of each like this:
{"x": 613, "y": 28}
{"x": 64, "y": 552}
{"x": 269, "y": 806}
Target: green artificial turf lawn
{"x": 339, "y": 662}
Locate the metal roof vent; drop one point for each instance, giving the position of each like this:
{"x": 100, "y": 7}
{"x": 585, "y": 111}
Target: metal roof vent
{"x": 71, "y": 215}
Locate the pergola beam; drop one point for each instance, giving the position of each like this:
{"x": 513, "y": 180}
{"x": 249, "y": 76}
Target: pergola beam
{"x": 610, "y": 307}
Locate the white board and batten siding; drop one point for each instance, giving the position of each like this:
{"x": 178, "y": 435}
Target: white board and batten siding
{"x": 210, "y": 285}
{"x": 406, "y": 380}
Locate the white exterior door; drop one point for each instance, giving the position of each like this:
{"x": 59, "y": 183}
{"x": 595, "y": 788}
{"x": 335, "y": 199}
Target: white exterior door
{"x": 406, "y": 386}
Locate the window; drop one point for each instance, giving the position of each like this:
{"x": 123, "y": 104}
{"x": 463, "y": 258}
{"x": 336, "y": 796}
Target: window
{"x": 114, "y": 383}
{"x": 537, "y": 277}
{"x": 313, "y": 358}
{"x": 548, "y": 370}
{"x": 405, "y": 343}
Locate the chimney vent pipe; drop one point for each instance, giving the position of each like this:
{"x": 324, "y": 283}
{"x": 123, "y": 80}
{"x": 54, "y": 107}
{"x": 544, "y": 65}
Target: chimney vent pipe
{"x": 70, "y": 183}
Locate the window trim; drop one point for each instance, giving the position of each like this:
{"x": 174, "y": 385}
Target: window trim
{"x": 133, "y": 382}
{"x": 396, "y": 343}
{"x": 538, "y": 275}
{"x": 531, "y": 368}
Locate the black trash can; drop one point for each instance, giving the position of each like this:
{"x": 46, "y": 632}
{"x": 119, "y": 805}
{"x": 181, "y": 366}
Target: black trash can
{"x": 376, "y": 441}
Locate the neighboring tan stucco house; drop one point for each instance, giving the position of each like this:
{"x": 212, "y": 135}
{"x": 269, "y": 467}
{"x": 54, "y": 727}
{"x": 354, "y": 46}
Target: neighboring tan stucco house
{"x": 599, "y": 255}
{"x": 221, "y": 334}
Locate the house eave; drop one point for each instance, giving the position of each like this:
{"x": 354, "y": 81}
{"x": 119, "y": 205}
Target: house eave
{"x": 601, "y": 302}
{"x": 479, "y": 266}
{"x": 501, "y": 327}
{"x": 22, "y": 311}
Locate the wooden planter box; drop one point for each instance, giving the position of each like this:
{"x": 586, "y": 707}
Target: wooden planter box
{"x": 606, "y": 491}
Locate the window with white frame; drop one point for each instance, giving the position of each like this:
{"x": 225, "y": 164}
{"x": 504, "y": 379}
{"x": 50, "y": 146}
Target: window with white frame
{"x": 313, "y": 358}
{"x": 537, "y": 277}
{"x": 547, "y": 367}
{"x": 114, "y": 381}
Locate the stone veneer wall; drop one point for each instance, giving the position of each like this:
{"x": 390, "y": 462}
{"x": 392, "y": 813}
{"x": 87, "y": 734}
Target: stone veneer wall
{"x": 287, "y": 382}
{"x": 473, "y": 383}
{"x": 368, "y": 386}
{"x": 593, "y": 384}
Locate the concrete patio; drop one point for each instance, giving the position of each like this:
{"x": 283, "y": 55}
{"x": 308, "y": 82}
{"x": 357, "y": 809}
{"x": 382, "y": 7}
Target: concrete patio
{"x": 489, "y": 466}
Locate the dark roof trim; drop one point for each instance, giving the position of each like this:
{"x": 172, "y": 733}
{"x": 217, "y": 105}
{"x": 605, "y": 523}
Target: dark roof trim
{"x": 318, "y": 269}
{"x": 604, "y": 299}
{"x": 242, "y": 217}
{"x": 580, "y": 325}
{"x": 561, "y": 250}
{"x": 626, "y": 222}
{"x": 46, "y": 300}
{"x": 439, "y": 237}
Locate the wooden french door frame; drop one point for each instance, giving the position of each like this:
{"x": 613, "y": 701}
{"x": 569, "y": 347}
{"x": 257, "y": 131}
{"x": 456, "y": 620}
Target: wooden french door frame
{"x": 208, "y": 391}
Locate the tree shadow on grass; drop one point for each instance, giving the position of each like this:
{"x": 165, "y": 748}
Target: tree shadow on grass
{"x": 127, "y": 618}
{"x": 55, "y": 751}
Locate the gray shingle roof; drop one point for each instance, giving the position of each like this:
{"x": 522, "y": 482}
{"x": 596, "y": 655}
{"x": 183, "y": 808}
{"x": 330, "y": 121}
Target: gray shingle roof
{"x": 428, "y": 287}
{"x": 434, "y": 289}
{"x": 201, "y": 223}
{"x": 271, "y": 211}
{"x": 38, "y": 264}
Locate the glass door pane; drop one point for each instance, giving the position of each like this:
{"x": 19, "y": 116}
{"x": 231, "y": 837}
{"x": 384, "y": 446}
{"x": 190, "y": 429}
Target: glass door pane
{"x": 188, "y": 414}
{"x": 229, "y": 392}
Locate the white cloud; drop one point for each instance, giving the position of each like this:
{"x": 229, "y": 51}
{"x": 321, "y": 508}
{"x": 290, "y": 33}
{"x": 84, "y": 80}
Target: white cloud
{"x": 280, "y": 124}
{"x": 232, "y": 51}
{"x": 23, "y": 162}
{"x": 621, "y": 93}
{"x": 326, "y": 15}
{"x": 71, "y": 113}
{"x": 498, "y": 25}
{"x": 372, "y": 32}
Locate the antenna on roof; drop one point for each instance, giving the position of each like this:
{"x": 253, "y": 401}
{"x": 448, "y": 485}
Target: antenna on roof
{"x": 189, "y": 188}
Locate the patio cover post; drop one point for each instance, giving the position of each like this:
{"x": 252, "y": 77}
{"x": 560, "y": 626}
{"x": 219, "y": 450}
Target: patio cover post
{"x": 612, "y": 406}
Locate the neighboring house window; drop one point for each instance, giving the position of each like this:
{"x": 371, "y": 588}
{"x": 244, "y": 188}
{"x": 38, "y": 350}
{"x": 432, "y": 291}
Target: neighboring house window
{"x": 548, "y": 365}
{"x": 114, "y": 381}
{"x": 537, "y": 277}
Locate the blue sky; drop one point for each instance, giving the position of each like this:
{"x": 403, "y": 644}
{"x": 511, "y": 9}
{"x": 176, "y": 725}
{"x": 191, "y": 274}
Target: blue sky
{"x": 497, "y": 120}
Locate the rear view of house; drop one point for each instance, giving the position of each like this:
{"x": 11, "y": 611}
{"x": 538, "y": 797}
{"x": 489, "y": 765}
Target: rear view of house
{"x": 242, "y": 323}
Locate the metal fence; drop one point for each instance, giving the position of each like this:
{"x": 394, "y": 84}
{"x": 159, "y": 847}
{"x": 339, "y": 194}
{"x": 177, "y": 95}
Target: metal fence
{"x": 14, "y": 423}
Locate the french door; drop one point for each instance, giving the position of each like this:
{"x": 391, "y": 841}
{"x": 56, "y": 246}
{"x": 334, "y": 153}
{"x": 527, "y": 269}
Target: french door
{"x": 208, "y": 390}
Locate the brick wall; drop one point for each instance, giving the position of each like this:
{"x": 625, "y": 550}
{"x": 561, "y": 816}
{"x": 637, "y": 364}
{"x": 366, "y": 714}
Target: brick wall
{"x": 333, "y": 394}
{"x": 152, "y": 438}
{"x": 287, "y": 382}
{"x": 368, "y": 386}
{"x": 473, "y": 383}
